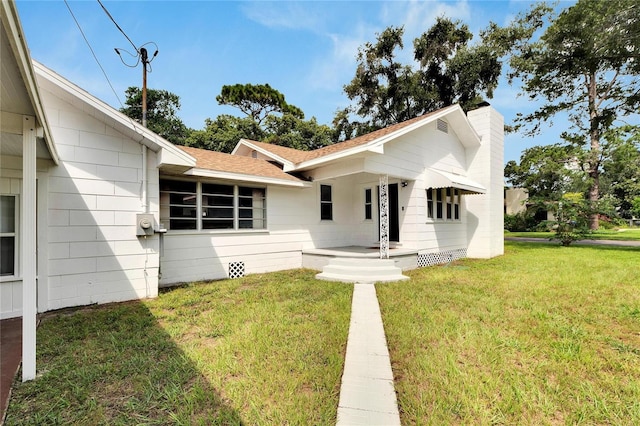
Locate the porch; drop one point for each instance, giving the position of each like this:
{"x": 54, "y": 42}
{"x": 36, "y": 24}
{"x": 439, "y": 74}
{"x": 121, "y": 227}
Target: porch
{"x": 360, "y": 263}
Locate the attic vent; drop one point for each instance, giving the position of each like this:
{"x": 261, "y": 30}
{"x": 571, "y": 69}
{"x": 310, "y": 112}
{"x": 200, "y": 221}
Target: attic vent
{"x": 442, "y": 125}
{"x": 254, "y": 154}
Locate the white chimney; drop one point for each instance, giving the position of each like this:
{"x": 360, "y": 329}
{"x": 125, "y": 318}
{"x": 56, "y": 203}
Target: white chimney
{"x": 485, "y": 212}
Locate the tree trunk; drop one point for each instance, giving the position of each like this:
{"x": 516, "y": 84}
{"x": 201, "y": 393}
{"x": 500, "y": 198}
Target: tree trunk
{"x": 594, "y": 154}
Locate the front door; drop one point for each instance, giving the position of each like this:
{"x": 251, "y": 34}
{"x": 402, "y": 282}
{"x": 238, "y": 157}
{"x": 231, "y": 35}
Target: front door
{"x": 394, "y": 216}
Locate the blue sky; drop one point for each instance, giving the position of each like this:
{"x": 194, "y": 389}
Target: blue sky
{"x": 304, "y": 49}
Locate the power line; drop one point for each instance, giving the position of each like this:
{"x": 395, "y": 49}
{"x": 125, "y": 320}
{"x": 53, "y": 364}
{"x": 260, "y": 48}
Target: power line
{"x": 93, "y": 53}
{"x": 117, "y": 26}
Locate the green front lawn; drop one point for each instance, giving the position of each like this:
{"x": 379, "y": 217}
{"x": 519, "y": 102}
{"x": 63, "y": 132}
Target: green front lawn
{"x": 543, "y": 335}
{"x": 265, "y": 349}
{"x": 626, "y": 234}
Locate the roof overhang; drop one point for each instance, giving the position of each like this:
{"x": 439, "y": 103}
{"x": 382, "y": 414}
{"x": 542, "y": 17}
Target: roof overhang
{"x": 441, "y": 179}
{"x": 246, "y": 144}
{"x": 169, "y": 154}
{"x": 454, "y": 115}
{"x": 15, "y": 38}
{"x": 241, "y": 177}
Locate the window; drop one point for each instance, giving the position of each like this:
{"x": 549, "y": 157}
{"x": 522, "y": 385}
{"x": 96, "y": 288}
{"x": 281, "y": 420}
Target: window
{"x": 326, "y": 204}
{"x": 252, "y": 210}
{"x": 443, "y": 203}
{"x": 178, "y": 204}
{"x": 211, "y": 206}
{"x": 7, "y": 235}
{"x": 218, "y": 206}
{"x": 368, "y": 212}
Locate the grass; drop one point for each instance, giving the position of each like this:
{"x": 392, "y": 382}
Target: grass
{"x": 265, "y": 349}
{"x": 543, "y": 335}
{"x": 626, "y": 234}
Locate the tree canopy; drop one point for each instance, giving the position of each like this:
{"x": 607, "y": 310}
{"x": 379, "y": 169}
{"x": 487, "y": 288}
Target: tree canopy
{"x": 584, "y": 64}
{"x": 162, "y": 110}
{"x": 448, "y": 69}
{"x": 257, "y": 101}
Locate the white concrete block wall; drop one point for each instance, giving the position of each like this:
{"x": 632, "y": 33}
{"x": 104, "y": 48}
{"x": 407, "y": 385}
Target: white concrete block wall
{"x": 294, "y": 221}
{"x": 94, "y": 196}
{"x": 486, "y": 213}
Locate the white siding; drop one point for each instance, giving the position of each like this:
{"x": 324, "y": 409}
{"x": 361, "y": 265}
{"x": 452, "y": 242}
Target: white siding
{"x": 94, "y": 195}
{"x": 294, "y": 214}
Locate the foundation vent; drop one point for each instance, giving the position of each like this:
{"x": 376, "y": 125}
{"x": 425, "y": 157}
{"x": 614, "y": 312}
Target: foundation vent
{"x": 236, "y": 269}
{"x": 431, "y": 259}
{"x": 442, "y": 125}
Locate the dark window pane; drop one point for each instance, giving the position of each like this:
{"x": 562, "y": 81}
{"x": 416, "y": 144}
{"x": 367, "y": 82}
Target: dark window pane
{"x": 367, "y": 211}
{"x": 7, "y": 213}
{"x": 177, "y": 186}
{"x": 367, "y": 196}
{"x": 250, "y": 192}
{"x": 245, "y": 202}
{"x": 220, "y": 212}
{"x": 182, "y": 212}
{"x": 439, "y": 211}
{"x": 221, "y": 201}
{"x": 245, "y": 213}
{"x": 326, "y": 211}
{"x": 438, "y": 194}
{"x": 7, "y": 255}
{"x": 182, "y": 224}
{"x": 448, "y": 211}
{"x": 325, "y": 193}
{"x": 182, "y": 199}
{"x": 210, "y": 188}
{"x": 217, "y": 224}
{"x": 430, "y": 209}
{"x": 456, "y": 212}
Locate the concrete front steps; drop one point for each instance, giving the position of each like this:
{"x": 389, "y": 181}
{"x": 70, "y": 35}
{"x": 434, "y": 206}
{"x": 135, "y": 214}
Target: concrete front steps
{"x": 361, "y": 270}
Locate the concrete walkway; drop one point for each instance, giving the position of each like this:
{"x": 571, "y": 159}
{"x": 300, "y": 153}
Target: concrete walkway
{"x": 367, "y": 395}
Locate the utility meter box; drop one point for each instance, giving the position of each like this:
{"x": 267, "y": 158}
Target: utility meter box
{"x": 144, "y": 224}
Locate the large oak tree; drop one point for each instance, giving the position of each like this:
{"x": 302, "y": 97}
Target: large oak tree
{"x": 586, "y": 64}
{"x": 448, "y": 68}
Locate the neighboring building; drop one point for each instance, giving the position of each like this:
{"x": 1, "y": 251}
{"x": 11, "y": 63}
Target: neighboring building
{"x": 100, "y": 209}
{"x": 515, "y": 200}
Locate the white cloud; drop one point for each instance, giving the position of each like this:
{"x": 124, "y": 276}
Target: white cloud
{"x": 289, "y": 15}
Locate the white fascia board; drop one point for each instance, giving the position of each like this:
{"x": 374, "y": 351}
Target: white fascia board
{"x": 285, "y": 163}
{"x": 246, "y": 178}
{"x": 377, "y": 145}
{"x": 13, "y": 29}
{"x": 103, "y": 112}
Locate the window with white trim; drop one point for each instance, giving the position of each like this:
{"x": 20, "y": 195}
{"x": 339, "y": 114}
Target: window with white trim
{"x": 443, "y": 204}
{"x": 211, "y": 206}
{"x": 326, "y": 203}
{"x": 8, "y": 226}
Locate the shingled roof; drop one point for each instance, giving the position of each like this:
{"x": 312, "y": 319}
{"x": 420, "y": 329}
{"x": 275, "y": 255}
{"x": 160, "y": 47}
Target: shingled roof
{"x": 236, "y": 164}
{"x": 297, "y": 156}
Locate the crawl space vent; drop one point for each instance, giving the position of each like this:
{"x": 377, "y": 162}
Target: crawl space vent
{"x": 431, "y": 259}
{"x": 236, "y": 269}
{"x": 442, "y": 125}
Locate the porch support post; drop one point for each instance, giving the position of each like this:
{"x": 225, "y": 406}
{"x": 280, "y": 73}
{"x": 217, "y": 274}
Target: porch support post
{"x": 28, "y": 243}
{"x": 384, "y": 216}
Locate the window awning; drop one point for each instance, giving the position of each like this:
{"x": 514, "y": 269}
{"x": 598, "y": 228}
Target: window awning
{"x": 440, "y": 179}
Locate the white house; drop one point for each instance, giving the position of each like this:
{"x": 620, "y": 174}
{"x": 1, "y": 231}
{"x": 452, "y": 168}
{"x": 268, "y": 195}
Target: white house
{"x": 96, "y": 208}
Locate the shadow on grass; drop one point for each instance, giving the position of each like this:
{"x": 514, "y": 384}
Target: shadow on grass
{"x": 114, "y": 364}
